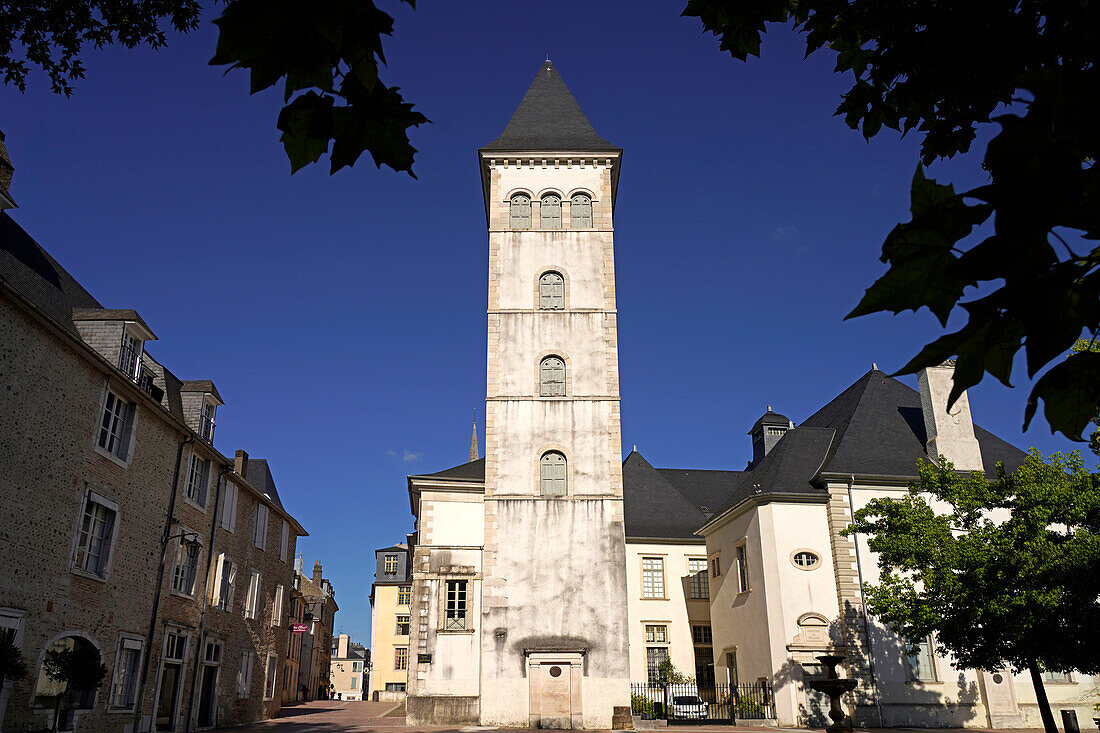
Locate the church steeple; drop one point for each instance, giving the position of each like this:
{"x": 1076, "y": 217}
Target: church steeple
{"x": 473, "y": 442}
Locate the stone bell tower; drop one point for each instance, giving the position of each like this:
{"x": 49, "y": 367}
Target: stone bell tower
{"x": 553, "y": 615}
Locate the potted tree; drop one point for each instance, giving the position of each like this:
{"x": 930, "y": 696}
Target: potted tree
{"x": 76, "y": 669}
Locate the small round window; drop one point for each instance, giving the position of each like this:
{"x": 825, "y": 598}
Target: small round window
{"x": 805, "y": 560}
{"x": 555, "y": 671}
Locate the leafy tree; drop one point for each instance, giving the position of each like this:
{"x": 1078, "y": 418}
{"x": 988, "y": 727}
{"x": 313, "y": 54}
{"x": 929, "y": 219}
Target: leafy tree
{"x": 326, "y": 53}
{"x": 1094, "y": 439}
{"x": 12, "y": 664}
{"x": 944, "y": 69}
{"x": 78, "y": 668}
{"x": 669, "y": 675}
{"x": 1007, "y": 574}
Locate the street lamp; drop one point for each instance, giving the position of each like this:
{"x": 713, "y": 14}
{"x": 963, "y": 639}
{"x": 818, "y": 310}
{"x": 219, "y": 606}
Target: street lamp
{"x": 191, "y": 543}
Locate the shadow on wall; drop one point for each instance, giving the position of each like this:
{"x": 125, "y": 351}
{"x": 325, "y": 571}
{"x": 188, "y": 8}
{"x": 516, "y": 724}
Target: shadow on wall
{"x": 948, "y": 702}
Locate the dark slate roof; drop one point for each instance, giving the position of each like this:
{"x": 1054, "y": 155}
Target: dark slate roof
{"x": 706, "y": 489}
{"x": 770, "y": 418}
{"x": 880, "y": 430}
{"x": 30, "y": 271}
{"x": 200, "y": 385}
{"x": 653, "y": 507}
{"x": 788, "y": 468}
{"x": 474, "y": 471}
{"x": 259, "y": 475}
{"x": 549, "y": 119}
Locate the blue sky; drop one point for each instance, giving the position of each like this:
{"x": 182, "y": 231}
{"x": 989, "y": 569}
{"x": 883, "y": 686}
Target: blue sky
{"x": 343, "y": 317}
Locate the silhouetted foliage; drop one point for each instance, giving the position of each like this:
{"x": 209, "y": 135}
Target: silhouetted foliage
{"x": 1003, "y": 571}
{"x": 943, "y": 69}
{"x": 12, "y": 664}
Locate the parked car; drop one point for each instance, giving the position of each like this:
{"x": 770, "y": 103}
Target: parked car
{"x": 687, "y": 707}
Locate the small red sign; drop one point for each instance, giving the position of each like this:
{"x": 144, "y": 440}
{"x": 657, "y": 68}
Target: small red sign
{"x": 300, "y": 628}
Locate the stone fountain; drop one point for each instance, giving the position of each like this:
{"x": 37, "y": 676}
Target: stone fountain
{"x": 834, "y": 686}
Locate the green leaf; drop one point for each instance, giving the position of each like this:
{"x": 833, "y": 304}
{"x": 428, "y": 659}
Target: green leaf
{"x": 307, "y": 125}
{"x": 1069, "y": 394}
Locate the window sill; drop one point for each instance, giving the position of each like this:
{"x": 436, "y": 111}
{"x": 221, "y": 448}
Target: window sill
{"x": 181, "y": 594}
{"x": 190, "y": 502}
{"x": 110, "y": 456}
{"x": 89, "y": 576}
{"x": 924, "y": 683}
{"x": 644, "y": 598}
{"x": 455, "y": 631}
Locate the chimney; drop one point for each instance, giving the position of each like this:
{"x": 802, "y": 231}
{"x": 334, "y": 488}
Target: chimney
{"x": 6, "y": 169}
{"x": 950, "y": 432}
{"x": 317, "y": 573}
{"x": 342, "y": 646}
{"x": 766, "y": 432}
{"x": 240, "y": 463}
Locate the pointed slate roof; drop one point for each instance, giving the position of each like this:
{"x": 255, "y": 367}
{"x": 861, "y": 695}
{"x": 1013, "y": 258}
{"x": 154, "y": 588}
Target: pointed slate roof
{"x": 259, "y": 475}
{"x": 549, "y": 118}
{"x": 653, "y": 507}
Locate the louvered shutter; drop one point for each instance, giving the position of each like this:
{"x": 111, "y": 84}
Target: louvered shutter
{"x": 552, "y": 476}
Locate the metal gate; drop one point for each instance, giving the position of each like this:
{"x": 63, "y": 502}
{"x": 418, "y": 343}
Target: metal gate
{"x": 708, "y": 704}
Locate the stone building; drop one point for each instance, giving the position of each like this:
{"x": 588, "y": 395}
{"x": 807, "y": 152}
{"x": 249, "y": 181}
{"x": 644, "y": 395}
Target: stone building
{"x": 349, "y": 666}
{"x": 390, "y": 600}
{"x": 321, "y": 608}
{"x": 124, "y": 528}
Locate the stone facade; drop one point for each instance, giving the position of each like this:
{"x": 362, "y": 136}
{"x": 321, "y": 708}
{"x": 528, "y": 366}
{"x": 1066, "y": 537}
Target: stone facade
{"x": 105, "y": 484}
{"x": 321, "y": 608}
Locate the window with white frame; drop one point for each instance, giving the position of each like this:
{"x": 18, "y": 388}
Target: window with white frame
{"x": 277, "y": 608}
{"x": 116, "y": 426}
{"x": 96, "y": 534}
{"x": 552, "y": 474}
{"x": 124, "y": 679}
{"x": 206, "y": 421}
{"x": 580, "y": 211}
{"x": 284, "y": 541}
{"x": 653, "y": 577}
{"x": 551, "y": 211}
{"x": 654, "y": 657}
{"x": 551, "y": 291}
{"x": 129, "y": 356}
{"x": 698, "y": 585}
{"x": 519, "y": 209}
{"x": 225, "y": 583}
{"x": 198, "y": 480}
{"x": 402, "y": 626}
{"x": 244, "y": 672}
{"x": 455, "y": 608}
{"x": 552, "y": 377}
{"x": 228, "y": 510}
{"x": 269, "y": 676}
{"x": 252, "y": 600}
{"x": 400, "y": 657}
{"x": 259, "y": 526}
{"x": 186, "y": 565}
{"x": 920, "y": 664}
{"x": 656, "y": 634}
{"x": 743, "y": 568}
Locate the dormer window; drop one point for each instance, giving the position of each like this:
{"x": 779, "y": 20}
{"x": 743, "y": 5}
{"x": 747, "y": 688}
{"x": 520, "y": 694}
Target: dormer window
{"x": 206, "y": 421}
{"x": 551, "y": 211}
{"x": 520, "y": 210}
{"x": 129, "y": 356}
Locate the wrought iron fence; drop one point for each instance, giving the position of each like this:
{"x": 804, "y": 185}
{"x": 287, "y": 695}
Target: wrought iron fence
{"x": 692, "y": 702}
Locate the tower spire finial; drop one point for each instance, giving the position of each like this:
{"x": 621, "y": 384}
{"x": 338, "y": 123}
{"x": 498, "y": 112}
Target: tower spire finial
{"x": 473, "y": 440}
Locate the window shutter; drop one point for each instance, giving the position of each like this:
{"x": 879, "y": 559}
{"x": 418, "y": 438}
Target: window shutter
{"x": 231, "y": 579}
{"x": 284, "y": 540}
{"x": 552, "y": 474}
{"x": 216, "y": 591}
{"x": 551, "y": 212}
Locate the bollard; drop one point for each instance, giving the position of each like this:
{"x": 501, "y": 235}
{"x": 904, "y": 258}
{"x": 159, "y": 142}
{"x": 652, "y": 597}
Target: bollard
{"x": 1069, "y": 721}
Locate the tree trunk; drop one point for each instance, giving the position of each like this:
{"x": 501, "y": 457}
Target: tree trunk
{"x": 1041, "y": 698}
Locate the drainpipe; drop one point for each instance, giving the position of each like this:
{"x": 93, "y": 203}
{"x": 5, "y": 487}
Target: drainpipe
{"x": 863, "y": 609}
{"x": 160, "y": 582}
{"x": 199, "y": 646}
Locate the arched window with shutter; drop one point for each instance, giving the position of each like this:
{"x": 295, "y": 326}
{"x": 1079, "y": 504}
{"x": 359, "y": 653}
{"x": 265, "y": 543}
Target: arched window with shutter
{"x": 580, "y": 211}
{"x": 551, "y": 211}
{"x": 552, "y": 474}
{"x": 552, "y": 377}
{"x": 551, "y": 291}
{"x": 520, "y": 208}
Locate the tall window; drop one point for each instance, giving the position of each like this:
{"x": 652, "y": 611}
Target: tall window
{"x": 455, "y": 608}
{"x": 228, "y": 501}
{"x": 920, "y": 666}
{"x": 185, "y": 567}
{"x": 580, "y": 211}
{"x": 742, "y": 568}
{"x": 402, "y": 625}
{"x": 551, "y": 211}
{"x": 96, "y": 535}
{"x": 654, "y": 655}
{"x": 715, "y": 566}
{"x": 284, "y": 541}
{"x": 269, "y": 676}
{"x": 552, "y": 474}
{"x": 115, "y": 426}
{"x": 653, "y": 577}
{"x": 252, "y": 601}
{"x": 520, "y": 209}
{"x": 206, "y": 421}
{"x": 124, "y": 680}
{"x": 698, "y": 585}
{"x": 244, "y": 672}
{"x": 225, "y": 583}
{"x": 551, "y": 291}
{"x": 259, "y": 526}
{"x": 198, "y": 479}
{"x": 401, "y": 657}
{"x": 277, "y": 607}
{"x": 404, "y": 595}
{"x": 389, "y": 564}
{"x": 552, "y": 377}
{"x": 129, "y": 356}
